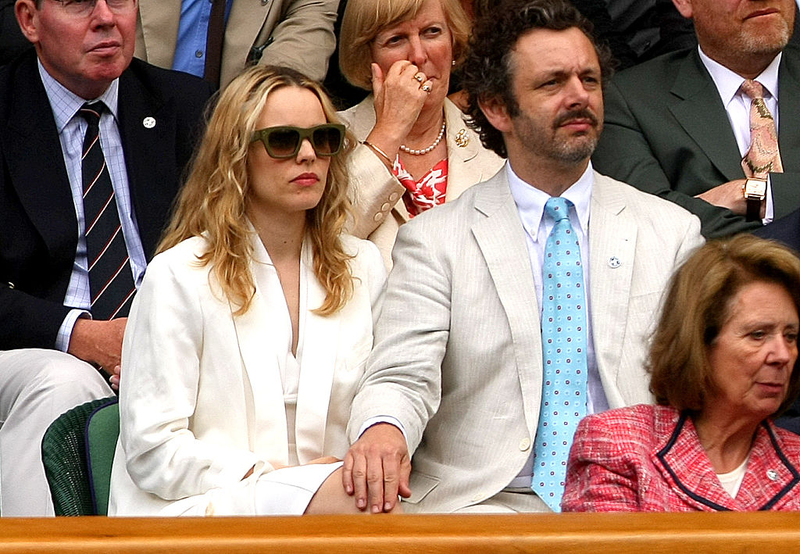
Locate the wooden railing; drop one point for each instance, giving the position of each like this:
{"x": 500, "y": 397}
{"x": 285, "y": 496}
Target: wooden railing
{"x": 760, "y": 533}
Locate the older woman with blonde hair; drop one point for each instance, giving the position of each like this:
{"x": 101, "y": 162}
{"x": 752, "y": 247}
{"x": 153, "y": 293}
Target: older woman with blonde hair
{"x": 415, "y": 150}
{"x": 723, "y": 364}
{"x": 251, "y": 329}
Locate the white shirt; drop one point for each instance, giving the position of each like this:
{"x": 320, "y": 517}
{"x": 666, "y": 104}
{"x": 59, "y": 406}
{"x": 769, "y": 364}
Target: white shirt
{"x": 737, "y": 105}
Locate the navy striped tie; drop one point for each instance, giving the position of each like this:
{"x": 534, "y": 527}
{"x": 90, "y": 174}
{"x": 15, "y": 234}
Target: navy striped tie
{"x": 110, "y": 274}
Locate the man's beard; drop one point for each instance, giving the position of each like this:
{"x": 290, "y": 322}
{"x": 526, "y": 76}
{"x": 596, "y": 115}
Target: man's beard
{"x": 571, "y": 150}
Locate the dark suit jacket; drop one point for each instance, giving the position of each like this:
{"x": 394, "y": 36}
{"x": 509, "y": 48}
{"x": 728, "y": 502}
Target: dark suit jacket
{"x": 785, "y": 230}
{"x": 38, "y": 237}
{"x": 667, "y": 133}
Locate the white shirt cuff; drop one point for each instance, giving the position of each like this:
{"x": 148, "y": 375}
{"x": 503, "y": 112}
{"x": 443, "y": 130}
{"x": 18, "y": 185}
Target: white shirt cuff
{"x": 65, "y": 331}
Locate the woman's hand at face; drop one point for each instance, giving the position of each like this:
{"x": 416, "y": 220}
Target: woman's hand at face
{"x": 399, "y": 97}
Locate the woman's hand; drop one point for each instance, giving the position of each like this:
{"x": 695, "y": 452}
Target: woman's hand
{"x": 399, "y": 97}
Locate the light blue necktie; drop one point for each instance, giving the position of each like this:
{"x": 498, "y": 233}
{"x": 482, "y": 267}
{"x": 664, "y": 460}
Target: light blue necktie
{"x": 564, "y": 351}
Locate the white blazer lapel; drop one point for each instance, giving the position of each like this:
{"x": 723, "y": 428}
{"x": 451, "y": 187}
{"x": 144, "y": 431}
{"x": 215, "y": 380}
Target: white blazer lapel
{"x": 501, "y": 239}
{"x": 260, "y": 352}
{"x": 612, "y": 243}
{"x": 318, "y": 363}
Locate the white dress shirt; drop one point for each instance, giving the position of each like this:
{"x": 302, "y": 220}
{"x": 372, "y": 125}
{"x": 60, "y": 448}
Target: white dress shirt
{"x": 71, "y": 130}
{"x": 737, "y": 105}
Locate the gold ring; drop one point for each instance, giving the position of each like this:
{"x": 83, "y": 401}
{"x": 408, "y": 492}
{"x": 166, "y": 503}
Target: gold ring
{"x": 419, "y": 77}
{"x": 426, "y": 87}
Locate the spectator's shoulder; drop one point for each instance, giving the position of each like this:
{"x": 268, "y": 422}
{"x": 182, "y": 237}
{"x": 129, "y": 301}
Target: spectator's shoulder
{"x": 646, "y": 206}
{"x": 656, "y": 71}
{"x": 168, "y": 83}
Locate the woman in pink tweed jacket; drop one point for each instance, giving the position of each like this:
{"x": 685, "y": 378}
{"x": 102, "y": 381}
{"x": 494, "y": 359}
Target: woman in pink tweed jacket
{"x": 722, "y": 362}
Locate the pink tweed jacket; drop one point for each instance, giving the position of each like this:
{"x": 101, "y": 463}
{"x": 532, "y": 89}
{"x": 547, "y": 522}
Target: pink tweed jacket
{"x": 649, "y": 459}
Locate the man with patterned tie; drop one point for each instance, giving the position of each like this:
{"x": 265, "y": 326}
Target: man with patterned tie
{"x": 92, "y": 146}
{"x": 712, "y": 128}
{"x": 525, "y": 304}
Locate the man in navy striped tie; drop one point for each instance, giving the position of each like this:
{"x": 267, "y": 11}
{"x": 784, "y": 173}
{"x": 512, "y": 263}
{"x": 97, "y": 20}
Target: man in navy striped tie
{"x": 92, "y": 146}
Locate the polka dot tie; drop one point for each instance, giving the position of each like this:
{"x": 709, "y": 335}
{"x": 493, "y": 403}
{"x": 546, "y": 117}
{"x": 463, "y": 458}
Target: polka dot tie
{"x": 564, "y": 349}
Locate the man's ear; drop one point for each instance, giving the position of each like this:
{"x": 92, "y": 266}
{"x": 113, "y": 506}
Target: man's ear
{"x": 496, "y": 112}
{"x": 27, "y": 17}
{"x": 685, "y": 7}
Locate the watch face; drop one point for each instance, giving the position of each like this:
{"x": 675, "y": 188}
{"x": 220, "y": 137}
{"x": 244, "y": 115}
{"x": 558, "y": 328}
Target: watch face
{"x": 755, "y": 188}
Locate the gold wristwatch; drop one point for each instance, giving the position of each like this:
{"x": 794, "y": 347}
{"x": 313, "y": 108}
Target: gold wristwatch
{"x": 754, "y": 190}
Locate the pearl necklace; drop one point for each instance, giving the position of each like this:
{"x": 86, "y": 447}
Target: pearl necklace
{"x": 430, "y": 148}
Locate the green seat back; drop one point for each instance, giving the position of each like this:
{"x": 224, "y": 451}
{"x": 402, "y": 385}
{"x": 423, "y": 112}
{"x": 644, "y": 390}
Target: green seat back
{"x": 101, "y": 434}
{"x": 65, "y": 462}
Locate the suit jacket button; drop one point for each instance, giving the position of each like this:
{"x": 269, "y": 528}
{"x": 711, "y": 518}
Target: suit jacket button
{"x": 478, "y": 497}
{"x": 386, "y": 207}
{"x": 393, "y": 197}
{"x": 378, "y": 216}
{"x": 525, "y": 444}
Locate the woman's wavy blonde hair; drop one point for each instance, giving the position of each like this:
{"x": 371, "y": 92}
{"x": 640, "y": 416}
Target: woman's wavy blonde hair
{"x": 213, "y": 201}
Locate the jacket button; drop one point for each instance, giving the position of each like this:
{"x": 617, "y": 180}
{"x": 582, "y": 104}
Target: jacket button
{"x": 478, "y": 497}
{"x": 525, "y": 444}
{"x": 386, "y": 207}
{"x": 393, "y": 197}
{"x": 378, "y": 216}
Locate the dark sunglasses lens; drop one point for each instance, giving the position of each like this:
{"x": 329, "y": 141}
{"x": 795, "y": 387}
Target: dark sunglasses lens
{"x": 327, "y": 140}
{"x": 283, "y": 143}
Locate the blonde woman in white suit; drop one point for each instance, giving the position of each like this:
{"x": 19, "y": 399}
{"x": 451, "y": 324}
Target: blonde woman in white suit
{"x": 251, "y": 330}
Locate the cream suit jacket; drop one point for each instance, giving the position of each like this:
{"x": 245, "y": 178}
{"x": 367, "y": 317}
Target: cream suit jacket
{"x": 294, "y": 33}
{"x": 201, "y": 398}
{"x": 457, "y": 357}
{"x": 379, "y": 206}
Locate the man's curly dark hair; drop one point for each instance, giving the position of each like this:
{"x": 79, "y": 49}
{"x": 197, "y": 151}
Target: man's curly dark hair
{"x": 486, "y": 72}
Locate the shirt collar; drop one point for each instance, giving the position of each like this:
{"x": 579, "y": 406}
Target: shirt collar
{"x": 728, "y": 82}
{"x": 530, "y": 200}
{"x": 65, "y": 103}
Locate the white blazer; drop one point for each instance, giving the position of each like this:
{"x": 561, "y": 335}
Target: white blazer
{"x": 458, "y": 356}
{"x": 201, "y": 397}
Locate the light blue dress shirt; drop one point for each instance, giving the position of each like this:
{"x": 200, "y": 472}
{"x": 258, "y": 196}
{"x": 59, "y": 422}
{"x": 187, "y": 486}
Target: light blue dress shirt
{"x": 71, "y": 130}
{"x": 190, "y": 50}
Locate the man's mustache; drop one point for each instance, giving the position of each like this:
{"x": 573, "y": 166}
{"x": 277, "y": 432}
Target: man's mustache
{"x": 584, "y": 113}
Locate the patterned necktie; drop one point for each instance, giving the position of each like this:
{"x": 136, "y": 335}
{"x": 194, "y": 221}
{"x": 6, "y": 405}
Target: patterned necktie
{"x": 110, "y": 274}
{"x": 564, "y": 348}
{"x": 763, "y": 157}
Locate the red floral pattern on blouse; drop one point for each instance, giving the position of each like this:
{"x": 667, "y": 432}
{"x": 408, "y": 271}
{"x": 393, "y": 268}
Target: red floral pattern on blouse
{"x": 425, "y": 193}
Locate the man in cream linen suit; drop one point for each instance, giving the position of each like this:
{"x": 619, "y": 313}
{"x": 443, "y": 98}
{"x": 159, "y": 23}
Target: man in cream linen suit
{"x": 455, "y": 377}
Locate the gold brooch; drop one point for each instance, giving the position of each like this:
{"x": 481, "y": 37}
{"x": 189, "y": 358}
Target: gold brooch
{"x": 462, "y": 138}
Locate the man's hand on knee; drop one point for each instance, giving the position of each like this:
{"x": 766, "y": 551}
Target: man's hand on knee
{"x": 377, "y": 468}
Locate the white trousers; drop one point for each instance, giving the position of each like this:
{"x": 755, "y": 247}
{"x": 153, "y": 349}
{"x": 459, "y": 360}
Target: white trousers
{"x": 36, "y": 386}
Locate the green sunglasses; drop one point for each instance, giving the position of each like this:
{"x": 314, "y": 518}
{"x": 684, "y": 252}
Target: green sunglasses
{"x": 284, "y": 142}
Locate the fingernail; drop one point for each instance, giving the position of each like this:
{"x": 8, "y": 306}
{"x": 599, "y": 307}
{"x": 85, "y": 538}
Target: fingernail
{"x": 387, "y": 507}
{"x": 376, "y": 509}
{"x": 361, "y": 503}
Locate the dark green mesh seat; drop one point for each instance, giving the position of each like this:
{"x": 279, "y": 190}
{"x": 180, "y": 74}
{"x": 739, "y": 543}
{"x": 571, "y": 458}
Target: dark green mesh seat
{"x": 65, "y": 460}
